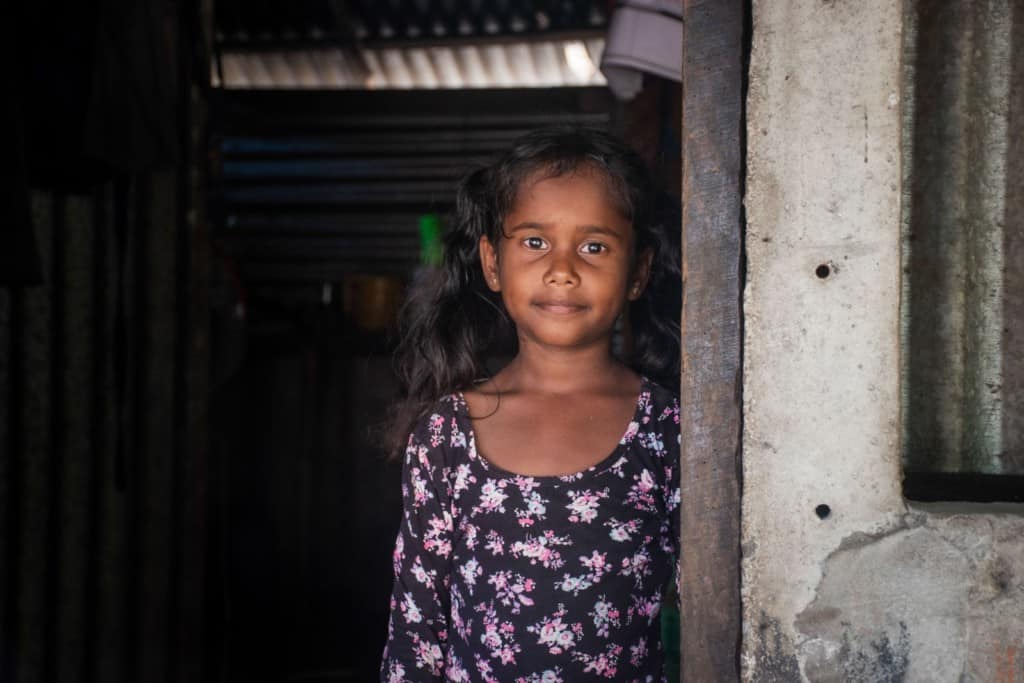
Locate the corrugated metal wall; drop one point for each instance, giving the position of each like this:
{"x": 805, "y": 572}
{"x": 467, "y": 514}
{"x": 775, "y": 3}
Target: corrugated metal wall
{"x": 104, "y": 364}
{"x": 101, "y": 479}
{"x": 963, "y": 295}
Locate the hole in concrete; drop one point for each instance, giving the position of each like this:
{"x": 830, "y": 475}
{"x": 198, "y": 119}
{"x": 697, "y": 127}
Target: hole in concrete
{"x": 823, "y": 271}
{"x": 823, "y": 511}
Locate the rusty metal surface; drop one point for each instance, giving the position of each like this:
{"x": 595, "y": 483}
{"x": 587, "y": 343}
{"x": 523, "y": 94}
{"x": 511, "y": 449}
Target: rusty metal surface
{"x": 962, "y": 225}
{"x": 1013, "y": 257}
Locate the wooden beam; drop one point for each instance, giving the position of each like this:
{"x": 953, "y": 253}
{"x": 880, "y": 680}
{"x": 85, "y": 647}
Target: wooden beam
{"x": 711, "y": 390}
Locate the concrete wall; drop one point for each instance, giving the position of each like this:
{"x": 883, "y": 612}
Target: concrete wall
{"x": 842, "y": 581}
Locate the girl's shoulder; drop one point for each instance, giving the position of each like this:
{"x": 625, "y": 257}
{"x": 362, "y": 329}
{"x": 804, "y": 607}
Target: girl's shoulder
{"x": 446, "y": 407}
{"x": 656, "y": 431}
{"x": 660, "y": 402}
{"x": 441, "y": 431}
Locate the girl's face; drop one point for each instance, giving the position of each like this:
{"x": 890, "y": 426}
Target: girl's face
{"x": 566, "y": 264}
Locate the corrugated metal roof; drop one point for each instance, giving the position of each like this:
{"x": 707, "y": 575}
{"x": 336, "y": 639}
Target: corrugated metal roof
{"x": 369, "y": 21}
{"x": 409, "y": 44}
{"x": 534, "y": 63}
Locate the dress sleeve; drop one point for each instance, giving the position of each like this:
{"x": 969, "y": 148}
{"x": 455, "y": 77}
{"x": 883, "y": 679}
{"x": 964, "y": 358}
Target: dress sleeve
{"x": 671, "y": 489}
{"x": 418, "y": 626}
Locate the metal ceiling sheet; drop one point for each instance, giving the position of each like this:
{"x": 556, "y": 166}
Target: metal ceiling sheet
{"x": 534, "y": 63}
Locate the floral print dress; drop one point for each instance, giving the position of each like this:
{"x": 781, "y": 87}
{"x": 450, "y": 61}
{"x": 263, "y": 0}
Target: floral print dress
{"x": 501, "y": 577}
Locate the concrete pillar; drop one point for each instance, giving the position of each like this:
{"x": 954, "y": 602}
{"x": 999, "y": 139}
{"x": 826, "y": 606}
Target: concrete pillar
{"x": 841, "y": 580}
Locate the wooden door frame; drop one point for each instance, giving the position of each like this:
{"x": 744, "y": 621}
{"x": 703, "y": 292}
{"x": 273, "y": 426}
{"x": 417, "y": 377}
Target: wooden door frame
{"x": 716, "y": 35}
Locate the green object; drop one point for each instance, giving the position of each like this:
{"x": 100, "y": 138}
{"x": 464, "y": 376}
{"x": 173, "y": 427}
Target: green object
{"x": 431, "y": 249}
{"x": 670, "y": 639}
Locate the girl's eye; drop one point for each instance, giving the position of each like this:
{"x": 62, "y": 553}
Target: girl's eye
{"x": 534, "y": 243}
{"x": 593, "y": 248}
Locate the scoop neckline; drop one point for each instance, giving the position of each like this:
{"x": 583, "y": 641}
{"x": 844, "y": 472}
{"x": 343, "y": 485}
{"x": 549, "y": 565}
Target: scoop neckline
{"x": 462, "y": 408}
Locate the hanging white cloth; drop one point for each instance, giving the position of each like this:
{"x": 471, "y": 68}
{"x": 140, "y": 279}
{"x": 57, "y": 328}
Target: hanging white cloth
{"x": 644, "y": 36}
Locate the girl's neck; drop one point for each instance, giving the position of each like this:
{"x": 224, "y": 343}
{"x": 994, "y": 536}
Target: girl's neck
{"x": 547, "y": 371}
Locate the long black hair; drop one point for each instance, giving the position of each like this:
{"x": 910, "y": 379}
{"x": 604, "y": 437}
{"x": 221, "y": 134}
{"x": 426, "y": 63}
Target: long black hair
{"x": 451, "y": 318}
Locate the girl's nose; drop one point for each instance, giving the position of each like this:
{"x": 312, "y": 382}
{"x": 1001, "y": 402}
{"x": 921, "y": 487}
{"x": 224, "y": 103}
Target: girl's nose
{"x": 562, "y": 271}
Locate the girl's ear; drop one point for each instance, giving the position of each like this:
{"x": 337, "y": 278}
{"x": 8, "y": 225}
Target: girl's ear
{"x": 641, "y": 273}
{"x": 489, "y": 263}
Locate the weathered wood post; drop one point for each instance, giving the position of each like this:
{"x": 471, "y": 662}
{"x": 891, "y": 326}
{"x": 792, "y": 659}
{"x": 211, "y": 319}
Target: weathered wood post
{"x": 713, "y": 78}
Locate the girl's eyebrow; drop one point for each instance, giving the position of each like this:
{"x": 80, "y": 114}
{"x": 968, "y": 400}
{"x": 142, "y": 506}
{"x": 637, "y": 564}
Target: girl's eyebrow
{"x": 601, "y": 230}
{"x": 586, "y": 228}
{"x": 527, "y": 225}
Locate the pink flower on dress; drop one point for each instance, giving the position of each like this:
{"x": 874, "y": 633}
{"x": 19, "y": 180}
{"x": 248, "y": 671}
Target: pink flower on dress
{"x": 605, "y": 664}
{"x": 396, "y": 672}
{"x": 511, "y": 589}
{"x": 428, "y": 655}
{"x": 631, "y": 431}
{"x": 638, "y": 652}
{"x": 410, "y": 610}
{"x": 470, "y": 570}
{"x": 648, "y": 607}
{"x": 437, "y": 536}
{"x": 542, "y": 549}
{"x": 421, "y": 574}
{"x": 484, "y": 669}
{"x": 584, "y": 505}
{"x": 535, "y": 510}
{"x": 605, "y": 615}
{"x": 492, "y": 496}
{"x": 641, "y": 494}
{"x": 458, "y": 439}
{"x": 622, "y": 531}
{"x": 495, "y": 543}
{"x": 637, "y": 566}
{"x": 546, "y": 676}
{"x": 498, "y": 637}
{"x": 463, "y": 478}
{"x": 399, "y": 554}
{"x": 435, "y": 428}
{"x": 526, "y": 484}
{"x": 559, "y": 636}
{"x": 469, "y": 534}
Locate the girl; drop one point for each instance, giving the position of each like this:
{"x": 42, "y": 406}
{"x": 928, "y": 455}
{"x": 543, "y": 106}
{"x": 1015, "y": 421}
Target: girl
{"x": 541, "y": 504}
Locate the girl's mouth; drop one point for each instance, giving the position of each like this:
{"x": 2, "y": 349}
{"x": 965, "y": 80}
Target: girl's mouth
{"x": 560, "y": 307}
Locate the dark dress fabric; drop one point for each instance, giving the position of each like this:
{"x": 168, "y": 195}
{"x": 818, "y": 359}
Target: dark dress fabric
{"x": 503, "y": 577}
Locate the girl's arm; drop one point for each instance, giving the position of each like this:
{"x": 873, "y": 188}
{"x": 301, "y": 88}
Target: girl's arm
{"x": 418, "y": 627}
